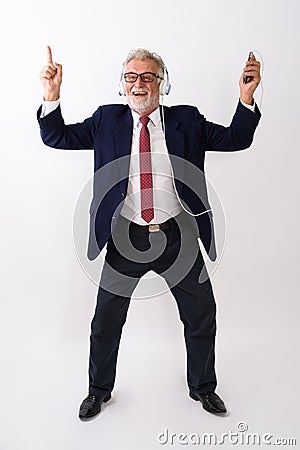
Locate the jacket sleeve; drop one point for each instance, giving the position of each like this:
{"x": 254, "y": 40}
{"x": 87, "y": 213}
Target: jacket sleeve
{"x": 56, "y": 134}
{"x": 238, "y": 136}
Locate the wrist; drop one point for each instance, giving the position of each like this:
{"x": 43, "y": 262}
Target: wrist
{"x": 51, "y": 97}
{"x": 248, "y": 99}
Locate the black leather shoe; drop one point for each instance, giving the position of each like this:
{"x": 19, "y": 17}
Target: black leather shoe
{"x": 211, "y": 402}
{"x": 91, "y": 406}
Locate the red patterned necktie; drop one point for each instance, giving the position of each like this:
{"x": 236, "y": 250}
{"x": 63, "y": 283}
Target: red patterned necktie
{"x": 146, "y": 172}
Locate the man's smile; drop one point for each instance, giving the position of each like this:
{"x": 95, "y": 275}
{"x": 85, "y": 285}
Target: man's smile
{"x": 139, "y": 92}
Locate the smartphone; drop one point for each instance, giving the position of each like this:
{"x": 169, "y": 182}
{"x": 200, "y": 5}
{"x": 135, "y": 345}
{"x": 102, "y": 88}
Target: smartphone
{"x": 245, "y": 78}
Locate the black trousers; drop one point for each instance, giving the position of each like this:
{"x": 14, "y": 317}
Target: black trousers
{"x": 175, "y": 255}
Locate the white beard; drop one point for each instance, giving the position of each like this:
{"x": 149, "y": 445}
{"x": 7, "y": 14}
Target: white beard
{"x": 142, "y": 104}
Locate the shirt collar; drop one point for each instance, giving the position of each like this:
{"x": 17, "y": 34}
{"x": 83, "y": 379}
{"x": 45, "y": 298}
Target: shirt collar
{"x": 154, "y": 117}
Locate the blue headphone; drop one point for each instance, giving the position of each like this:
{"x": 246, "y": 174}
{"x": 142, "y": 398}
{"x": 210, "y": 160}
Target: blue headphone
{"x": 164, "y": 85}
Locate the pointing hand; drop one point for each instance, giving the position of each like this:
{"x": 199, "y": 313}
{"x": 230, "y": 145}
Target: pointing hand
{"x": 51, "y": 78}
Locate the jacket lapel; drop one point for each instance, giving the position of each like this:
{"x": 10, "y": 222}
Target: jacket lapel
{"x": 123, "y": 139}
{"x": 175, "y": 145}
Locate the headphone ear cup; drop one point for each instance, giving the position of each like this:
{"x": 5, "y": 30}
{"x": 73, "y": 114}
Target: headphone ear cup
{"x": 163, "y": 87}
{"x": 122, "y": 90}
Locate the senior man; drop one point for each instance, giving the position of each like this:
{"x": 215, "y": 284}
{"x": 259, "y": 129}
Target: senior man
{"x": 148, "y": 211}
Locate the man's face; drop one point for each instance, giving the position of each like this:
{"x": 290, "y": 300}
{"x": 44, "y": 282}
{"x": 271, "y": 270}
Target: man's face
{"x": 142, "y": 97}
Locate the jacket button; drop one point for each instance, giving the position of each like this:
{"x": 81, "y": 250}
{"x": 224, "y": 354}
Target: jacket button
{"x": 122, "y": 194}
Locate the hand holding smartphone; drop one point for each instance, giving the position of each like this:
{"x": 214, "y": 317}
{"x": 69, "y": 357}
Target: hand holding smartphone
{"x": 245, "y": 78}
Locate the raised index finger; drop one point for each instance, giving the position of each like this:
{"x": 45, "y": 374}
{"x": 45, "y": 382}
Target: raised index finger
{"x": 49, "y": 54}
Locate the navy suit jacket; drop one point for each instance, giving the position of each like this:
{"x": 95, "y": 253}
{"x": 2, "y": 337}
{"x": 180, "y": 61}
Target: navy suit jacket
{"x": 188, "y": 136}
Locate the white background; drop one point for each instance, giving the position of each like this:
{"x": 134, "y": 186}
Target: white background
{"x": 47, "y": 301}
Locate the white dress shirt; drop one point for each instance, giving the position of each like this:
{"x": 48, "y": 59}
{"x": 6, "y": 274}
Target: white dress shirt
{"x": 165, "y": 201}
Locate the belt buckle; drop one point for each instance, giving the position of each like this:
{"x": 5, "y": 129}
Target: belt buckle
{"x": 153, "y": 227}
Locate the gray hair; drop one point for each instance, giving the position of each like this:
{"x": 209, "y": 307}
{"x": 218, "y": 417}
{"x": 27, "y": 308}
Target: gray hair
{"x": 142, "y": 54}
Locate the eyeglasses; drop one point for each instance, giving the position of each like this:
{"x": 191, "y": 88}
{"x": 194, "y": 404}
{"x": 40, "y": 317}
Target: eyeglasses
{"x": 146, "y": 77}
